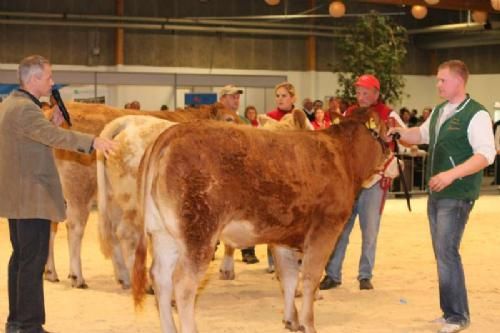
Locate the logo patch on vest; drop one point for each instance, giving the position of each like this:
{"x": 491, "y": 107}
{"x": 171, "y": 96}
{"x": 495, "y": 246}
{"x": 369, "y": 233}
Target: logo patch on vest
{"x": 454, "y": 124}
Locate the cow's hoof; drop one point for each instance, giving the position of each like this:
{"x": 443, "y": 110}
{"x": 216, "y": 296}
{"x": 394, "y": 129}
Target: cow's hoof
{"x": 291, "y": 326}
{"x": 226, "y": 275}
{"x": 125, "y": 285}
{"x": 51, "y": 276}
{"x": 150, "y": 290}
{"x": 76, "y": 284}
{"x": 303, "y": 329}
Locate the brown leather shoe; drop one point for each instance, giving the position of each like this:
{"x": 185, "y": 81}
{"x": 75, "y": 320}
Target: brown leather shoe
{"x": 365, "y": 284}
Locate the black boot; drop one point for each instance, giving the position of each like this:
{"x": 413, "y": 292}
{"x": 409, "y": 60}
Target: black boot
{"x": 248, "y": 255}
{"x": 328, "y": 283}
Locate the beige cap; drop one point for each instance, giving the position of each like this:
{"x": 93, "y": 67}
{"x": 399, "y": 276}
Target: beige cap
{"x": 230, "y": 89}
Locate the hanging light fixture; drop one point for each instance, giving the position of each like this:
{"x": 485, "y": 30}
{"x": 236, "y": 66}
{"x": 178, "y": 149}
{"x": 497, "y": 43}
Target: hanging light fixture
{"x": 495, "y": 4}
{"x": 337, "y": 9}
{"x": 272, "y": 2}
{"x": 479, "y": 16}
{"x": 432, "y": 2}
{"x": 419, "y": 12}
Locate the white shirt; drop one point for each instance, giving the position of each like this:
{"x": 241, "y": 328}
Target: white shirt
{"x": 479, "y": 132}
{"x": 497, "y": 138}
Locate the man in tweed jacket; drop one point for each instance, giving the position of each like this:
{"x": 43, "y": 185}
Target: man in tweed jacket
{"x": 32, "y": 195}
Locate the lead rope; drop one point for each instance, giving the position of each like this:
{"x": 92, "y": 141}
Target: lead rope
{"x": 395, "y": 137}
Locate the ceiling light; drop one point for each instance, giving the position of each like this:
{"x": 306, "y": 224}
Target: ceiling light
{"x": 419, "y": 12}
{"x": 479, "y": 16}
{"x": 432, "y": 2}
{"x": 495, "y": 4}
{"x": 272, "y": 2}
{"x": 337, "y": 9}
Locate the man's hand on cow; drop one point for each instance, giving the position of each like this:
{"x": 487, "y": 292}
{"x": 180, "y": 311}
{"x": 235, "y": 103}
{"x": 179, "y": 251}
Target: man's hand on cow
{"x": 107, "y": 146}
{"x": 440, "y": 181}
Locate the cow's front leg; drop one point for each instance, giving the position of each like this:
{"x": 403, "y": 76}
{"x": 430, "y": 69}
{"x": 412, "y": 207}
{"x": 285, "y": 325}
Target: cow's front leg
{"x": 226, "y": 270}
{"x": 128, "y": 239}
{"x": 50, "y": 267}
{"x": 75, "y": 224}
{"x": 287, "y": 269}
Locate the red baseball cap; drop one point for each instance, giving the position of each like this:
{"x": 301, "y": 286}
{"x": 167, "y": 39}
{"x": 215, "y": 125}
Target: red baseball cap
{"x": 368, "y": 81}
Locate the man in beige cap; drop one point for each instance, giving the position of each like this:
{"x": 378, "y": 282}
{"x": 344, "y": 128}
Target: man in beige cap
{"x": 229, "y": 96}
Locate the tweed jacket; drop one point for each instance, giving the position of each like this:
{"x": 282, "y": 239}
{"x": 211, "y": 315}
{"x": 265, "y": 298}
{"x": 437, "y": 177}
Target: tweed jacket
{"x": 29, "y": 182}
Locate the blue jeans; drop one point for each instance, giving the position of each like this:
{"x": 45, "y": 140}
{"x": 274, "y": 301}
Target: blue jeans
{"x": 367, "y": 206}
{"x": 447, "y": 220}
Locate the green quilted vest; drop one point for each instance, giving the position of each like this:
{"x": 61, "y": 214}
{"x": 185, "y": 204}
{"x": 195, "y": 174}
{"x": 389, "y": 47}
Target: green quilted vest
{"x": 452, "y": 148}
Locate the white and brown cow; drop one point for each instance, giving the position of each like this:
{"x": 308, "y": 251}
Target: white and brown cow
{"x": 201, "y": 182}
{"x": 119, "y": 229}
{"x": 78, "y": 172}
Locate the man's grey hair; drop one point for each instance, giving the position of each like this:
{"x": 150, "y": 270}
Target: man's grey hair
{"x": 29, "y": 66}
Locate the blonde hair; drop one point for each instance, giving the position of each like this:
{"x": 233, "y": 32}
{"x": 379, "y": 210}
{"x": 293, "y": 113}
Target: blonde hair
{"x": 29, "y": 66}
{"x": 288, "y": 87}
{"x": 458, "y": 67}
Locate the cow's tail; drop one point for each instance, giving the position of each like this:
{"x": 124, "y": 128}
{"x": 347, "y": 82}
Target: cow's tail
{"x": 139, "y": 271}
{"x": 110, "y": 131}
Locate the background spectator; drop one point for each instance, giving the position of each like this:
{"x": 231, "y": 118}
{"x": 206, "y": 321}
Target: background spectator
{"x": 251, "y": 115}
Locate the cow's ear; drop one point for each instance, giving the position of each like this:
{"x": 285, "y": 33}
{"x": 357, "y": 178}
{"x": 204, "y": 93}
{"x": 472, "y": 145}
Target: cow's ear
{"x": 299, "y": 119}
{"x": 371, "y": 124}
{"x": 214, "y": 110}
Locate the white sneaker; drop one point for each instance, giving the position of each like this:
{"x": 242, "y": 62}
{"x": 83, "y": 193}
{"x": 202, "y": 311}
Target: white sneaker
{"x": 439, "y": 320}
{"x": 451, "y": 328}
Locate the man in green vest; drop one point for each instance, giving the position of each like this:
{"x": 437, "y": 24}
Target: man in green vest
{"x": 461, "y": 145}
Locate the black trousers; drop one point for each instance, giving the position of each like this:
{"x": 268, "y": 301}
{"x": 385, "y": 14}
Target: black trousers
{"x": 30, "y": 247}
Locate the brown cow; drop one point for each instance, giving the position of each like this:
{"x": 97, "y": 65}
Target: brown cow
{"x": 78, "y": 172}
{"x": 197, "y": 183}
{"x": 117, "y": 196}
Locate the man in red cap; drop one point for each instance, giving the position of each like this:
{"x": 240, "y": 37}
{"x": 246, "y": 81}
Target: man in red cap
{"x": 368, "y": 204}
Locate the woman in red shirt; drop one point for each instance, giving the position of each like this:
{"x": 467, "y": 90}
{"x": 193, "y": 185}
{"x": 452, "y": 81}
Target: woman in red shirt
{"x": 319, "y": 120}
{"x": 285, "y": 97}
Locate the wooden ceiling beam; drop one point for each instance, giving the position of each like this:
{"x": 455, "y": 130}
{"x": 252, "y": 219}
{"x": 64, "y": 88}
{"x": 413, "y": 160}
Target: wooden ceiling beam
{"x": 484, "y": 5}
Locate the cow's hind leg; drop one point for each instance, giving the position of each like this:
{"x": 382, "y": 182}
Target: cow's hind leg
{"x": 50, "y": 273}
{"x": 287, "y": 269}
{"x": 165, "y": 256}
{"x": 226, "y": 270}
{"x": 313, "y": 263}
{"x": 187, "y": 276}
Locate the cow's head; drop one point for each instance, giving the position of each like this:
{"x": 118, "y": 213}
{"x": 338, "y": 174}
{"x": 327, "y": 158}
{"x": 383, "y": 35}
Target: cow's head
{"x": 220, "y": 113}
{"x": 369, "y": 144}
{"x": 371, "y": 119}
